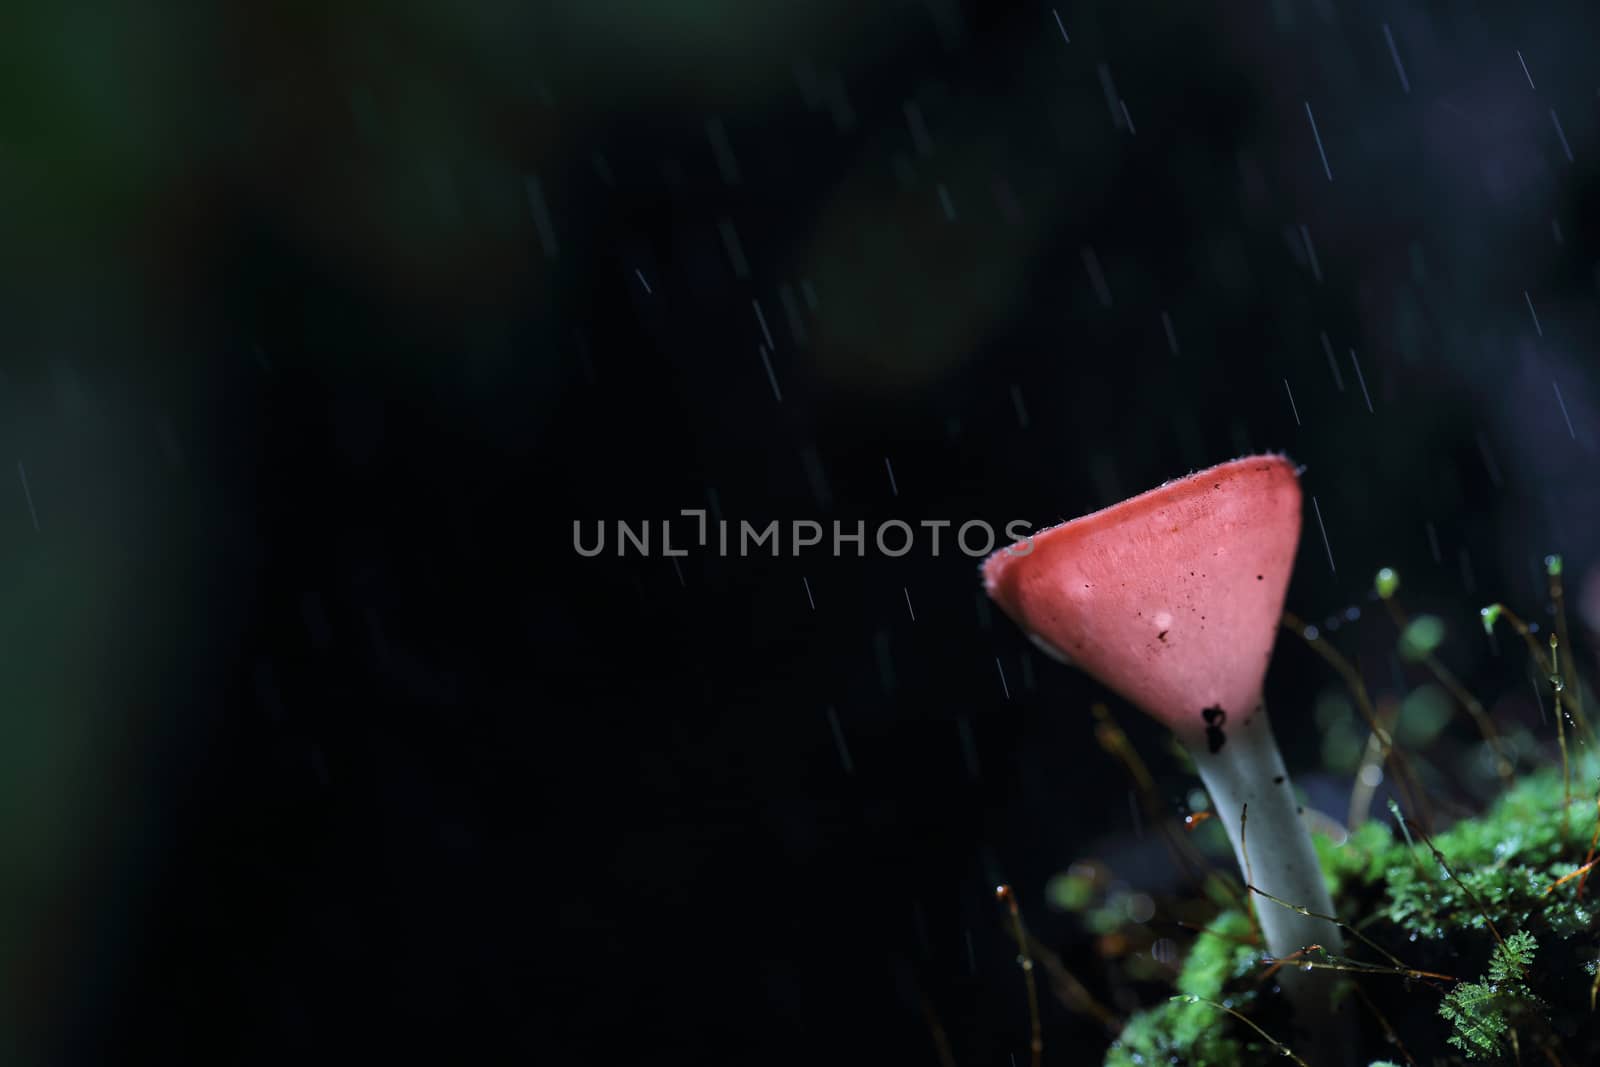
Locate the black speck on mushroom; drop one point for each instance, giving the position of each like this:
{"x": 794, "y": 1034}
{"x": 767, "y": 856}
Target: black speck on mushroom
{"x": 1278, "y": 780}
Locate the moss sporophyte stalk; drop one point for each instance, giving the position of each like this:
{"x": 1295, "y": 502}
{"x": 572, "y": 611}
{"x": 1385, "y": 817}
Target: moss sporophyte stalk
{"x": 1421, "y": 937}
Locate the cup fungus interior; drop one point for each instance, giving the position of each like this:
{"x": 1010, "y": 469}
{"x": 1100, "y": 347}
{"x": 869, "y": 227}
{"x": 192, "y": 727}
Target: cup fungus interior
{"x": 1171, "y": 598}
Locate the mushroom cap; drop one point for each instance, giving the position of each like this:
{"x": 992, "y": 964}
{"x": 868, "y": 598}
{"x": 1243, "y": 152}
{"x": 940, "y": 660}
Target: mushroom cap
{"x": 1171, "y": 598}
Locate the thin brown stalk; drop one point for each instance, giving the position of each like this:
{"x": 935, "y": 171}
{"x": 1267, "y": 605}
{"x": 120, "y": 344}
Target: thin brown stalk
{"x": 941, "y": 1042}
{"x": 1399, "y": 966}
{"x": 1357, "y": 967}
{"x": 1072, "y": 993}
{"x": 1113, "y": 740}
{"x": 1558, "y": 598}
{"x": 1588, "y": 858}
{"x": 1007, "y": 896}
{"x": 1302, "y": 910}
{"x": 1283, "y": 1050}
{"x": 1405, "y": 781}
{"x": 1463, "y": 696}
{"x": 1389, "y": 1033}
{"x": 1244, "y": 844}
{"x": 1559, "y": 882}
{"x": 1461, "y": 885}
{"x": 1548, "y": 666}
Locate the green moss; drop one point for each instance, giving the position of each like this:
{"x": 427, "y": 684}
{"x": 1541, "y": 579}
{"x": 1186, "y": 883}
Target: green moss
{"x": 1501, "y": 867}
{"x": 1361, "y": 859}
{"x": 1070, "y": 892}
{"x": 1195, "y": 1033}
{"x": 1505, "y": 859}
{"x": 1421, "y": 638}
{"x": 1483, "y": 1013}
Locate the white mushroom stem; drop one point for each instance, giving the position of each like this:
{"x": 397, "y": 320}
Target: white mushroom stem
{"x": 1253, "y": 797}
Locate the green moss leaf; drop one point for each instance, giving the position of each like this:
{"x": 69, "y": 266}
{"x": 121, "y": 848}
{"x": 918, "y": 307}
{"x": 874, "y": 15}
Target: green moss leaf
{"x": 1481, "y": 1013}
{"x": 1195, "y": 1032}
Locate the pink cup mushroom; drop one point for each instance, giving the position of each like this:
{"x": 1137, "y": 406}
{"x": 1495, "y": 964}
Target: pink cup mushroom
{"x": 1172, "y": 599}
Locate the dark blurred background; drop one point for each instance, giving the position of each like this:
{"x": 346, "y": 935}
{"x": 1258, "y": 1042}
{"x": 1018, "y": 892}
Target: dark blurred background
{"x": 324, "y": 323}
